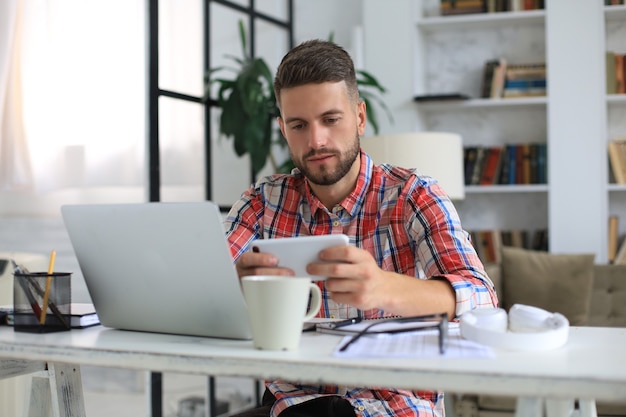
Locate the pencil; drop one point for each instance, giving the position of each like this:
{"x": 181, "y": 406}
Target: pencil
{"x": 46, "y": 295}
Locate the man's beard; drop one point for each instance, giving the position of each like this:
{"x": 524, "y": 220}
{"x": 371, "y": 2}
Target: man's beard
{"x": 326, "y": 177}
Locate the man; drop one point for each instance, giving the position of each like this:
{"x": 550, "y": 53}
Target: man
{"x": 408, "y": 254}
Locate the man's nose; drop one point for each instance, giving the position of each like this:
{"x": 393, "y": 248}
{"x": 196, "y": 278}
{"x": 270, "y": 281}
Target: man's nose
{"x": 317, "y": 136}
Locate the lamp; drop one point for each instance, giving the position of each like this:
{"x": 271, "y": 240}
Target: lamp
{"x": 437, "y": 154}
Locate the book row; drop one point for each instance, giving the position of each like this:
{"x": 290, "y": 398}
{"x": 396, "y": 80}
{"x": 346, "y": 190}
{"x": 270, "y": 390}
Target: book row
{"x": 617, "y": 250}
{"x": 454, "y": 7}
{"x": 488, "y": 243}
{"x": 617, "y": 160}
{"x": 614, "y": 2}
{"x": 504, "y": 80}
{"x": 524, "y": 163}
{"x": 615, "y": 73}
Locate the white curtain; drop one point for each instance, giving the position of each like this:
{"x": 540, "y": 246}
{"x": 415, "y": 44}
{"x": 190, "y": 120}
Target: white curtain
{"x": 72, "y": 94}
{"x": 15, "y": 167}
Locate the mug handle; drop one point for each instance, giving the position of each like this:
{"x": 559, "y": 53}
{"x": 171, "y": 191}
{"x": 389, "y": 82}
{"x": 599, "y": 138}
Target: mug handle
{"x": 316, "y": 302}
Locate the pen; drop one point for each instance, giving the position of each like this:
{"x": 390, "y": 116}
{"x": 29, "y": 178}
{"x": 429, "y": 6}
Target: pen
{"x": 25, "y": 287}
{"x": 342, "y": 323}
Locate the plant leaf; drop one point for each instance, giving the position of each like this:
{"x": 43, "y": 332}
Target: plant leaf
{"x": 367, "y": 79}
{"x": 242, "y": 37}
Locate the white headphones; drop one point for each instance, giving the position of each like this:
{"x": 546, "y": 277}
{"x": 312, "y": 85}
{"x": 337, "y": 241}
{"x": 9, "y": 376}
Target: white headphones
{"x": 527, "y": 328}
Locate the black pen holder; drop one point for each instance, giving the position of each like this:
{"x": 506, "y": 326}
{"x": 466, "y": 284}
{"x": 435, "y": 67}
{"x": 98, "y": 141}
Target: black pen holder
{"x": 42, "y": 302}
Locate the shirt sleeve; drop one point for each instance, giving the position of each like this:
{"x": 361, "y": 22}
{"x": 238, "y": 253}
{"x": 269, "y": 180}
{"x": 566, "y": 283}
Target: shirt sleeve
{"x": 242, "y": 224}
{"x": 445, "y": 250}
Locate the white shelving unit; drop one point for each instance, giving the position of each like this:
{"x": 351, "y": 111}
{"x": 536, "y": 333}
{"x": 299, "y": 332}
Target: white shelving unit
{"x": 446, "y": 54}
{"x": 453, "y": 51}
{"x": 615, "y": 38}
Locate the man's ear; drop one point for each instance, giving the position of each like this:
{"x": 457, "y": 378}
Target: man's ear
{"x": 281, "y": 125}
{"x": 361, "y": 117}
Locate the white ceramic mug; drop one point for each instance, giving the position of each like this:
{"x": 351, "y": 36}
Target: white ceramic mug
{"x": 277, "y": 307}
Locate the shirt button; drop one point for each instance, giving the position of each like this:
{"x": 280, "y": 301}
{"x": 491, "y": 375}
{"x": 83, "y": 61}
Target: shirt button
{"x": 336, "y": 223}
{"x": 361, "y": 408}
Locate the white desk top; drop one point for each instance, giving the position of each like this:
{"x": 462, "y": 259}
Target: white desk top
{"x": 591, "y": 365}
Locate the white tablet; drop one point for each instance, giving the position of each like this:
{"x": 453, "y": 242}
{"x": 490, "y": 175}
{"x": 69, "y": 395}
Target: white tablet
{"x": 297, "y": 252}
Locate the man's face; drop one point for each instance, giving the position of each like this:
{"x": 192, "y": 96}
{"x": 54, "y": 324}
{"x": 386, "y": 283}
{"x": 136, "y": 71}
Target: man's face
{"x": 322, "y": 127}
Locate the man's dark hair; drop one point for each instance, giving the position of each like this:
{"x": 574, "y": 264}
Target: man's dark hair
{"x": 315, "y": 62}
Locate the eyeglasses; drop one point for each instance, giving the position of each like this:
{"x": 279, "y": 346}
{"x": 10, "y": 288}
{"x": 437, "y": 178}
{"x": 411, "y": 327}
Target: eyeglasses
{"x": 437, "y": 321}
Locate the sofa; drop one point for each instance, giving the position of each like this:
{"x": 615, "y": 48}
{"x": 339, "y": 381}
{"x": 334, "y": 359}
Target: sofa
{"x": 587, "y": 294}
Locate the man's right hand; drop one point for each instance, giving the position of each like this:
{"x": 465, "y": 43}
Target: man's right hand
{"x": 254, "y": 263}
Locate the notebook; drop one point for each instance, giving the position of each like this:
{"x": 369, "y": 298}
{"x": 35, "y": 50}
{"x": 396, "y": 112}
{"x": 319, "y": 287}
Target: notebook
{"x": 159, "y": 267}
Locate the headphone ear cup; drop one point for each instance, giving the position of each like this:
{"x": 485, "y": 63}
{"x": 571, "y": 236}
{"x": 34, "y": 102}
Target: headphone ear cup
{"x": 525, "y": 318}
{"x": 491, "y": 319}
{"x": 532, "y": 329}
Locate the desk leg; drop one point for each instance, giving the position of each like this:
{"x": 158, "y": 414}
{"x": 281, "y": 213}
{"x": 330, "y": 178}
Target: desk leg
{"x": 59, "y": 388}
{"x": 529, "y": 407}
{"x": 156, "y": 394}
{"x": 587, "y": 408}
{"x": 39, "y": 401}
{"x": 560, "y": 408}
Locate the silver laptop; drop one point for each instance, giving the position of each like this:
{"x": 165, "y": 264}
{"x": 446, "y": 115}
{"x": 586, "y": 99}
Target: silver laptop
{"x": 159, "y": 267}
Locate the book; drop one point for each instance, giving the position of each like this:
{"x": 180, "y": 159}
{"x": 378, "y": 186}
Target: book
{"x": 526, "y": 164}
{"x": 469, "y": 160}
{"x": 475, "y": 238}
{"x": 478, "y": 165}
{"x": 507, "y": 172}
{"x": 620, "y": 256}
{"x": 488, "y": 244}
{"x": 489, "y": 251}
{"x": 542, "y": 163}
{"x": 497, "y": 82}
{"x": 491, "y": 166}
{"x": 519, "y": 164}
{"x": 611, "y": 80}
{"x": 488, "y": 77}
{"x": 514, "y": 238}
{"x": 496, "y": 239}
{"x": 622, "y": 147}
{"x": 519, "y": 238}
{"x": 613, "y": 231}
{"x": 452, "y": 7}
{"x": 526, "y": 72}
{"x": 540, "y": 240}
{"x": 617, "y": 162}
{"x": 620, "y": 83}
{"x": 440, "y": 97}
{"x": 525, "y": 80}
{"x": 82, "y": 315}
{"x": 534, "y": 156}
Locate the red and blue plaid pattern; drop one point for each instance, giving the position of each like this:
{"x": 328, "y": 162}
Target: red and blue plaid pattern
{"x": 408, "y": 224}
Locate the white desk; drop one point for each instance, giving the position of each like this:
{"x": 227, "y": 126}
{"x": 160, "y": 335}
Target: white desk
{"x": 591, "y": 366}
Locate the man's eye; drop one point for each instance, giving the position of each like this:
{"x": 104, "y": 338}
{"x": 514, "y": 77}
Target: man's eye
{"x": 332, "y": 120}
{"x": 297, "y": 127}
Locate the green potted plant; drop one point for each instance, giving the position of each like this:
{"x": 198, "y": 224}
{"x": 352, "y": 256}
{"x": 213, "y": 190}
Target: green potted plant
{"x": 249, "y": 106}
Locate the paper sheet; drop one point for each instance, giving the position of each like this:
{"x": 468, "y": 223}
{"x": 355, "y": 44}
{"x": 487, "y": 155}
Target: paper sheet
{"x": 422, "y": 344}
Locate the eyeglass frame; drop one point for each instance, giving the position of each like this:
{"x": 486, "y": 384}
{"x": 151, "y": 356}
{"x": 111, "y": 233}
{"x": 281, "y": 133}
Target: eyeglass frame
{"x": 441, "y": 326}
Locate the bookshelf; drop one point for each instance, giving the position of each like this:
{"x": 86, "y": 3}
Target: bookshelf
{"x": 469, "y": 41}
{"x": 445, "y": 54}
{"x": 615, "y": 32}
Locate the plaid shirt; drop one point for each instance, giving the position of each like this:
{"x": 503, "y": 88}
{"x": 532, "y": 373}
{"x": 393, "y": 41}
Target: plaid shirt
{"x": 405, "y": 220}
